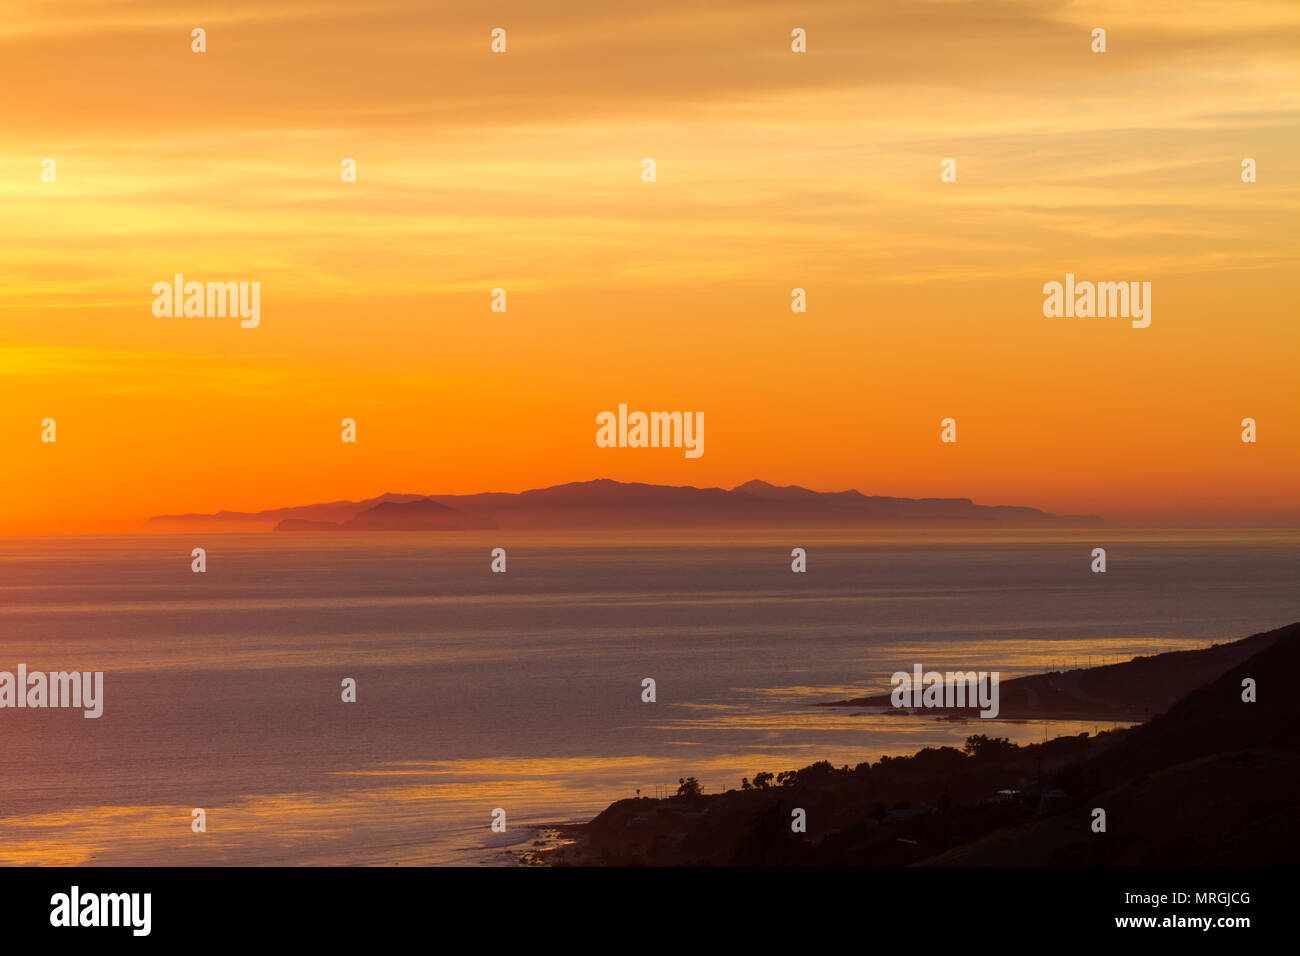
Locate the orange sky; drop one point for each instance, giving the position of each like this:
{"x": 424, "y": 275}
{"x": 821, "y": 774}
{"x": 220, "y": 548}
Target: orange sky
{"x": 522, "y": 171}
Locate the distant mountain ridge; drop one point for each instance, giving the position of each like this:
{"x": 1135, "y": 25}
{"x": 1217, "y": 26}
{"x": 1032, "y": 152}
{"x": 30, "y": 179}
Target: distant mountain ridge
{"x": 604, "y": 503}
{"x": 423, "y": 514}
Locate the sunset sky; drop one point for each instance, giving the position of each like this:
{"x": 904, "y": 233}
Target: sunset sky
{"x": 775, "y": 170}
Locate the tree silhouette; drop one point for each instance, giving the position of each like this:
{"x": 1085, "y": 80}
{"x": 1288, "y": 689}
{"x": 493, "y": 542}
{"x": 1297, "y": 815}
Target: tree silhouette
{"x": 980, "y": 745}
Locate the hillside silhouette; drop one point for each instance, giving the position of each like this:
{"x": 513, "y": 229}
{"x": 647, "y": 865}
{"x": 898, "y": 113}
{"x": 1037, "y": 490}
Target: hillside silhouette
{"x": 1132, "y": 690}
{"x": 1211, "y": 780}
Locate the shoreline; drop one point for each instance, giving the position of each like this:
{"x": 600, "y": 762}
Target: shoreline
{"x": 990, "y": 801}
{"x": 971, "y": 716}
{"x": 548, "y": 841}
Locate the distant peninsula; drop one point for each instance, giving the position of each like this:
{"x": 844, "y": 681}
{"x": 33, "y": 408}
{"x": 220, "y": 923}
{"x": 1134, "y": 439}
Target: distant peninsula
{"x": 607, "y": 504}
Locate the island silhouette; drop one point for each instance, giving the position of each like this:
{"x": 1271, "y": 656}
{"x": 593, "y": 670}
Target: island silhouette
{"x": 605, "y": 503}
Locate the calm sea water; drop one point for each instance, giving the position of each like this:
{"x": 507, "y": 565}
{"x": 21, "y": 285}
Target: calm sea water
{"x": 523, "y": 690}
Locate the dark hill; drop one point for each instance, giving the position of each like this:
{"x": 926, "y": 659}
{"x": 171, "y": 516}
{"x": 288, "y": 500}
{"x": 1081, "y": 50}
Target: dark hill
{"x": 1212, "y": 719}
{"x": 1214, "y": 780}
{"x": 1132, "y": 690}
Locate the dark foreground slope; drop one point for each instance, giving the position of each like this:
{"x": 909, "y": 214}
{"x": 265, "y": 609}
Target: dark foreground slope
{"x": 1214, "y": 780}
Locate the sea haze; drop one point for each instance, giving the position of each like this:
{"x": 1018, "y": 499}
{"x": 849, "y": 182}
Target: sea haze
{"x": 523, "y": 690}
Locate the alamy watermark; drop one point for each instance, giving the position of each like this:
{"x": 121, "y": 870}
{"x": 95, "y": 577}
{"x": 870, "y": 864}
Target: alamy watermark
{"x": 951, "y": 689}
{"x": 198, "y": 300}
{"x": 84, "y": 689}
{"x": 75, "y": 908}
{"x": 1103, "y": 300}
{"x": 652, "y": 430}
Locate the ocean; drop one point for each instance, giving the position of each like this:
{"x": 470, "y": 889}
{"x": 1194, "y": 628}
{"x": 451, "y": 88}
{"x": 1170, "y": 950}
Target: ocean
{"x": 522, "y": 691}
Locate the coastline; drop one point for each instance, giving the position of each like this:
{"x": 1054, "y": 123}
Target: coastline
{"x": 992, "y": 803}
